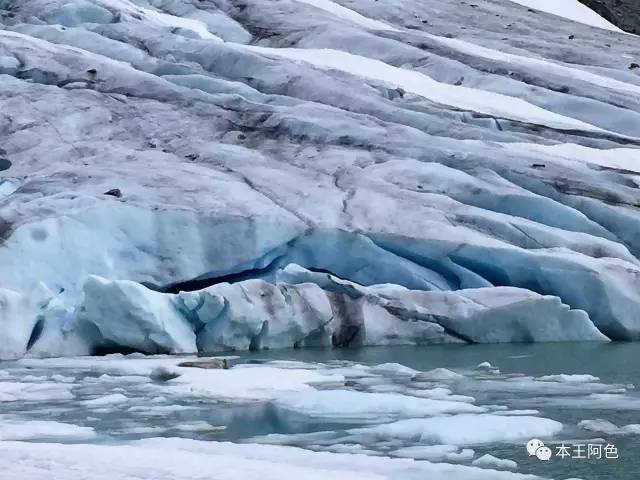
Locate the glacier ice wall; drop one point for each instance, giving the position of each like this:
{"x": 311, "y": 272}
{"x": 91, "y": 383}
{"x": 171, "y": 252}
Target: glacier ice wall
{"x": 180, "y": 145}
{"x": 315, "y": 310}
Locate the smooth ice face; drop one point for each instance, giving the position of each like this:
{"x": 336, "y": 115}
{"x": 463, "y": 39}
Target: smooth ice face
{"x": 487, "y": 193}
{"x": 126, "y": 313}
{"x": 20, "y": 320}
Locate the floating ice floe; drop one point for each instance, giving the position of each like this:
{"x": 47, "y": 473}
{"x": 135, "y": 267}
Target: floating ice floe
{"x": 489, "y": 461}
{"x": 609, "y": 428}
{"x": 39, "y": 430}
{"x": 435, "y": 453}
{"x": 114, "y": 399}
{"x": 16, "y": 391}
{"x": 352, "y": 406}
{"x": 239, "y": 384}
{"x": 584, "y": 378}
{"x": 464, "y": 429}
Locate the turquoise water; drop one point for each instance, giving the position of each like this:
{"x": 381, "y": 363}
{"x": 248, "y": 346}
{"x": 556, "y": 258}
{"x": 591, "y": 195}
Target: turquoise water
{"x": 614, "y": 364}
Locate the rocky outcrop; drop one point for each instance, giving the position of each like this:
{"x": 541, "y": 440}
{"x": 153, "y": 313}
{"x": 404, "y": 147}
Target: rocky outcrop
{"x": 625, "y": 14}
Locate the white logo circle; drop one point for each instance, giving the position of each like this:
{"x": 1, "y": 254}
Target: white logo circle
{"x": 533, "y": 445}
{"x": 543, "y": 453}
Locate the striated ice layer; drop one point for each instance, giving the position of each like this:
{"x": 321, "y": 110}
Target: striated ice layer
{"x": 128, "y": 314}
{"x": 476, "y": 165}
{"x": 310, "y": 310}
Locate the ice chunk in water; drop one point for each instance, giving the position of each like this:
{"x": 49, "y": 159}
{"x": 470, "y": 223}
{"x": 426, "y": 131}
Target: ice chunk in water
{"x": 465, "y": 429}
{"x": 373, "y": 407}
{"x": 14, "y": 429}
{"x": 489, "y": 461}
{"x": 435, "y": 453}
{"x": 609, "y": 428}
{"x": 114, "y": 399}
{"x": 569, "y": 378}
{"x": 34, "y": 392}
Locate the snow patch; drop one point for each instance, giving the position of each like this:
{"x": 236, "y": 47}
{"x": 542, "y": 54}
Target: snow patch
{"x": 618, "y": 158}
{"x": 475, "y": 100}
{"x": 348, "y": 14}
{"x": 162, "y": 18}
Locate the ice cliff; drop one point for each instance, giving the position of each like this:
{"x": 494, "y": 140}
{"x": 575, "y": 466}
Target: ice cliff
{"x": 182, "y": 175}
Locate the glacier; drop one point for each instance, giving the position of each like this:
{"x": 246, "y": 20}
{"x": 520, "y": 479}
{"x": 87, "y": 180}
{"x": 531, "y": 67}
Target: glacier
{"x": 315, "y": 310}
{"x": 314, "y": 173}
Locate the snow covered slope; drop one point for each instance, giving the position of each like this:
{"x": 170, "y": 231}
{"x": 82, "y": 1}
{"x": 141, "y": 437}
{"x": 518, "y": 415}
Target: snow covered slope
{"x": 213, "y": 146}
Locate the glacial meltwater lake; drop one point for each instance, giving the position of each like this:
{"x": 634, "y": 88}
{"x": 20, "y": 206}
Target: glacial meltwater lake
{"x": 429, "y": 403}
